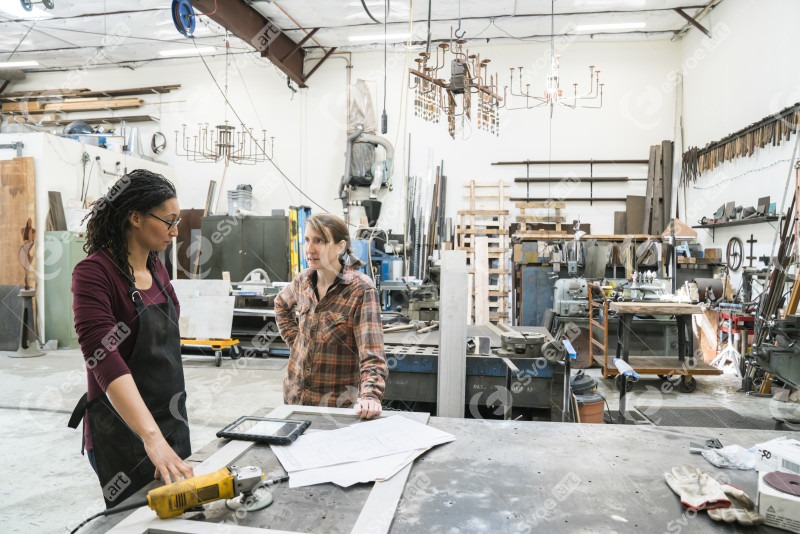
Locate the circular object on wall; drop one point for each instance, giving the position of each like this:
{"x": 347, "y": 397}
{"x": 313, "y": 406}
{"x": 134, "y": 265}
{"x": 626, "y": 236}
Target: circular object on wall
{"x": 183, "y": 16}
{"x": 158, "y": 143}
{"x": 734, "y": 253}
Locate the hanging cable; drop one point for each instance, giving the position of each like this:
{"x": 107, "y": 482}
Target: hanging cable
{"x": 368, "y": 13}
{"x": 459, "y": 30}
{"x": 428, "y": 45}
{"x": 384, "y": 117}
{"x": 271, "y": 160}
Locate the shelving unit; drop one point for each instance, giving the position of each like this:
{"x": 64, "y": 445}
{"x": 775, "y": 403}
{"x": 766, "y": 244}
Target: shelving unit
{"x": 591, "y": 179}
{"x": 741, "y": 222}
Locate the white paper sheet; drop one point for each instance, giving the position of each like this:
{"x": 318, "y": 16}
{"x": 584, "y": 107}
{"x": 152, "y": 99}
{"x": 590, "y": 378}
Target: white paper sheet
{"x": 359, "y": 442}
{"x": 345, "y": 475}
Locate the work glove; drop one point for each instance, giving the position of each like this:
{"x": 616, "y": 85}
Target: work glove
{"x": 742, "y": 510}
{"x": 696, "y": 488}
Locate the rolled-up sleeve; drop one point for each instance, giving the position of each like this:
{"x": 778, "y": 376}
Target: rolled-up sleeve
{"x": 98, "y": 331}
{"x": 368, "y": 332}
{"x": 284, "y": 313}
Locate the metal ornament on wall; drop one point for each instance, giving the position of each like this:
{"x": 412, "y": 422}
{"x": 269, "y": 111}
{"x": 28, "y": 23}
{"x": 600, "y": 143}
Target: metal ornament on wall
{"x": 468, "y": 76}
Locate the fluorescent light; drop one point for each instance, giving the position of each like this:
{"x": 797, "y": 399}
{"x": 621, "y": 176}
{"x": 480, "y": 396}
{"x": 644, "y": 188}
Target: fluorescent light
{"x": 619, "y": 26}
{"x": 188, "y": 51}
{"x": 380, "y": 37}
{"x": 17, "y": 64}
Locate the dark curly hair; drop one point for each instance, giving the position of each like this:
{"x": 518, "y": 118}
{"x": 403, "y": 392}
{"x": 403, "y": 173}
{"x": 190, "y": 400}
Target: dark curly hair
{"x": 139, "y": 190}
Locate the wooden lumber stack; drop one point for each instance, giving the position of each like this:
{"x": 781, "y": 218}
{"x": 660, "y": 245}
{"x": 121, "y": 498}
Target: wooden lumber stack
{"x": 658, "y": 195}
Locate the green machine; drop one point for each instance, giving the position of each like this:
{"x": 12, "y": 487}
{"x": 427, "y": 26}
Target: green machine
{"x": 62, "y": 251}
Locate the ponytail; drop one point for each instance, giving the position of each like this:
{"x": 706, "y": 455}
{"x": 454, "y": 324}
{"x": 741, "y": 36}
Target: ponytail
{"x": 349, "y": 259}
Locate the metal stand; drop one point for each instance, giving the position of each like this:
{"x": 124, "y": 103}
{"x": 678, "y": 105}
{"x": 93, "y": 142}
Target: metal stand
{"x": 628, "y": 375}
{"x": 28, "y": 344}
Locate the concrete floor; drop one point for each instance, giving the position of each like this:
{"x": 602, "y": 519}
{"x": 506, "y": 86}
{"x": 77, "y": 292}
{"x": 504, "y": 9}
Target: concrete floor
{"x": 48, "y": 486}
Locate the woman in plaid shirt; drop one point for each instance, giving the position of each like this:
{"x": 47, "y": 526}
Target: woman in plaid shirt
{"x": 330, "y": 317}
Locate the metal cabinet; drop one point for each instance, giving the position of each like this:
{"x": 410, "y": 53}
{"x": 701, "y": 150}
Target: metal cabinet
{"x": 241, "y": 244}
{"x": 63, "y": 250}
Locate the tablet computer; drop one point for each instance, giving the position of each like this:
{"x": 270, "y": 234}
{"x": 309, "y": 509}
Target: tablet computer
{"x": 264, "y": 430}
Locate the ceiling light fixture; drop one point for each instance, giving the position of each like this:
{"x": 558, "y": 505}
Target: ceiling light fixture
{"x": 468, "y": 76}
{"x": 16, "y": 10}
{"x": 553, "y": 94}
{"x": 381, "y": 38}
{"x": 188, "y": 51}
{"x": 222, "y": 142}
{"x": 18, "y": 64}
{"x": 616, "y": 26}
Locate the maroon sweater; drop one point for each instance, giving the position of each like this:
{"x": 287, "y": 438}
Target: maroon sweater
{"x": 106, "y": 321}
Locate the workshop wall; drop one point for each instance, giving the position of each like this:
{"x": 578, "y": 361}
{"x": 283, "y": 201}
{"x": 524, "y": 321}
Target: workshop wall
{"x": 730, "y": 83}
{"x": 57, "y": 164}
{"x": 309, "y": 126}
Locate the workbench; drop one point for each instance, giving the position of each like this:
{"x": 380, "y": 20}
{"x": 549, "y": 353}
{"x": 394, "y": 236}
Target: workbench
{"x": 663, "y": 366}
{"x": 498, "y": 476}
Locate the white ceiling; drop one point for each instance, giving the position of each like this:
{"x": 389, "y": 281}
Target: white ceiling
{"x": 98, "y": 33}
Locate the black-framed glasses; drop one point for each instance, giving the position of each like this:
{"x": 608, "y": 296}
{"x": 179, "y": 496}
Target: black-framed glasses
{"x": 170, "y": 224}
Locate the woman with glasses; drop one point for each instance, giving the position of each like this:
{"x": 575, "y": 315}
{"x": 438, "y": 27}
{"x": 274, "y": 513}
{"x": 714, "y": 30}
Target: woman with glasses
{"x": 126, "y": 317}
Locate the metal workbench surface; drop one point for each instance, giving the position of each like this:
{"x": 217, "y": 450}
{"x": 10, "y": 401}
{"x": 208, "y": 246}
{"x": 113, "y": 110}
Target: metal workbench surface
{"x": 514, "y": 477}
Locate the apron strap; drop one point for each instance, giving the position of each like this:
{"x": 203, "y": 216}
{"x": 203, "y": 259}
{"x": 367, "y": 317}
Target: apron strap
{"x": 79, "y": 412}
{"x": 136, "y": 296}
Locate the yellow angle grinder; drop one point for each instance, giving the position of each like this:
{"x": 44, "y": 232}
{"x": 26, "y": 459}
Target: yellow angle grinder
{"x": 243, "y": 487}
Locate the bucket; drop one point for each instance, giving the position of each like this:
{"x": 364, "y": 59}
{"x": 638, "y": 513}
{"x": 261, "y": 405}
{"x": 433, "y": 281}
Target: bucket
{"x": 590, "y": 408}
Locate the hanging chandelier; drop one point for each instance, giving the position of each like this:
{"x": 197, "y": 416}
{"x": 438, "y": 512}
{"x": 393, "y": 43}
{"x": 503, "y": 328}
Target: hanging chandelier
{"x": 224, "y": 143}
{"x": 553, "y": 94}
{"x": 435, "y": 96}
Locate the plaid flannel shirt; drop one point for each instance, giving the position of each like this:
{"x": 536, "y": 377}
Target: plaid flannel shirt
{"x": 336, "y": 343}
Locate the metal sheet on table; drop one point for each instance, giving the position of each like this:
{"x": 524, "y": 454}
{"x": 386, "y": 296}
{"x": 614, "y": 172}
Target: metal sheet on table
{"x": 431, "y": 339}
{"x": 506, "y": 476}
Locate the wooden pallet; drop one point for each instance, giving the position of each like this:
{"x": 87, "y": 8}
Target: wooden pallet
{"x": 553, "y": 213}
{"x": 482, "y": 231}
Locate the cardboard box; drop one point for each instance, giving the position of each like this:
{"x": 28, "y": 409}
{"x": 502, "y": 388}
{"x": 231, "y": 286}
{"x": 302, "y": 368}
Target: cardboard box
{"x": 780, "y": 509}
{"x": 780, "y": 454}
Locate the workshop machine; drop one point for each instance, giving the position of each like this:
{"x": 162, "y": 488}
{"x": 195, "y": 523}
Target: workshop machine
{"x": 514, "y": 377}
{"x": 658, "y": 337}
{"x": 780, "y": 352}
{"x": 362, "y": 168}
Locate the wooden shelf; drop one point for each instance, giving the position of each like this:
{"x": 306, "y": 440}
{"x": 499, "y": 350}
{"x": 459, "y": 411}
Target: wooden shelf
{"x": 84, "y": 93}
{"x": 102, "y": 120}
{"x": 753, "y": 220}
{"x": 574, "y": 162}
{"x": 576, "y": 199}
{"x": 546, "y": 179}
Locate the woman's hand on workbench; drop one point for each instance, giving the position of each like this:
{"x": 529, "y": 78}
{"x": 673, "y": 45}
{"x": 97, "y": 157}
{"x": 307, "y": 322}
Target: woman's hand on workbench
{"x": 169, "y": 467}
{"x": 368, "y": 408}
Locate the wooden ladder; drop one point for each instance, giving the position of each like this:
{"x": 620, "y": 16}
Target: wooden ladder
{"x": 482, "y": 231}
